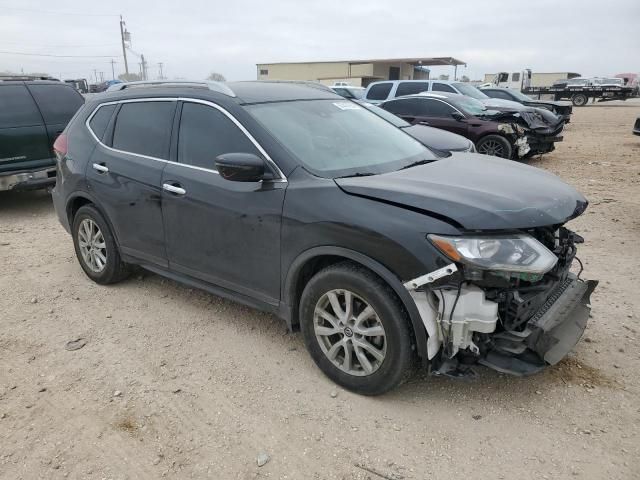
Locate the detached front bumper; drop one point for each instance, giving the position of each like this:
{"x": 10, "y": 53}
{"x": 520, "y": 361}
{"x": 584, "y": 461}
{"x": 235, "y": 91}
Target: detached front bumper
{"x": 550, "y": 334}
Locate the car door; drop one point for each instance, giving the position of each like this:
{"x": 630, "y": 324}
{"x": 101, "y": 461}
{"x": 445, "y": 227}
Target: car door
{"x": 437, "y": 113}
{"x": 124, "y": 173}
{"x": 23, "y": 137}
{"x": 223, "y": 232}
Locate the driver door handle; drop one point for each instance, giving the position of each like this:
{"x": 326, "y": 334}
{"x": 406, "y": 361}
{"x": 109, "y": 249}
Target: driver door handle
{"x": 100, "y": 168}
{"x": 175, "y": 189}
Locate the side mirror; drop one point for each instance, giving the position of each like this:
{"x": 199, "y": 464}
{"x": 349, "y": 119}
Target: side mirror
{"x": 240, "y": 167}
{"x": 457, "y": 116}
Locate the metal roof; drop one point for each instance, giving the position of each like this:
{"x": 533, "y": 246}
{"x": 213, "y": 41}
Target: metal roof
{"x": 417, "y": 61}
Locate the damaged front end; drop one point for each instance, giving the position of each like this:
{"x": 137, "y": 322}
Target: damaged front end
{"x": 538, "y": 129}
{"x": 509, "y": 302}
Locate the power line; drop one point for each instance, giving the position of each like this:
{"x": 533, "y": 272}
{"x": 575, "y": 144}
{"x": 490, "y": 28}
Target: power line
{"x": 57, "y": 56}
{"x": 49, "y": 12}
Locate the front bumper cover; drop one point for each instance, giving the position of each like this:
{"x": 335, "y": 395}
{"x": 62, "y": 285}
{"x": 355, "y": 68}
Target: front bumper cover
{"x": 551, "y": 332}
{"x": 559, "y": 324}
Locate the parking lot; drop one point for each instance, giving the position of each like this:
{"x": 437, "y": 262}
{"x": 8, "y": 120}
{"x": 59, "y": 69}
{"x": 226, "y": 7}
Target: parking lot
{"x": 177, "y": 383}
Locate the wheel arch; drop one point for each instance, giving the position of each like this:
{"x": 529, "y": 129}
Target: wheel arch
{"x": 313, "y": 260}
{"x": 80, "y": 199}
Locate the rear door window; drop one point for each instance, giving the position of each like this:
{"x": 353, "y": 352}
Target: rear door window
{"x": 379, "y": 91}
{"x": 17, "y": 108}
{"x": 408, "y": 106}
{"x": 144, "y": 128}
{"x": 205, "y": 133}
{"x": 58, "y": 103}
{"x": 100, "y": 120}
{"x": 411, "y": 88}
{"x": 442, "y": 87}
{"x": 436, "y": 108}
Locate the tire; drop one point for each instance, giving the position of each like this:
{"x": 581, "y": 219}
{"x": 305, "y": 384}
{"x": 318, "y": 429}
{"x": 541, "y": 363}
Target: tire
{"x": 495, "y": 145}
{"x": 388, "y": 327}
{"x": 579, "y": 99}
{"x": 103, "y": 264}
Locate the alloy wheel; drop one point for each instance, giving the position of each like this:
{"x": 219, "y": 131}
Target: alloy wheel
{"x": 93, "y": 248}
{"x": 492, "y": 147}
{"x": 349, "y": 332}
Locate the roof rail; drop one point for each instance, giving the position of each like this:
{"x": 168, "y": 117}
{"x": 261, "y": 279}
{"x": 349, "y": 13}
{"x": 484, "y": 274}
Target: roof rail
{"x": 9, "y": 78}
{"x": 308, "y": 83}
{"x": 219, "y": 87}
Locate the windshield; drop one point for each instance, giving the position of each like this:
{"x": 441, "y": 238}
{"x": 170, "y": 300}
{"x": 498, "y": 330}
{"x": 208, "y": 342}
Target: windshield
{"x": 335, "y": 138}
{"x": 470, "y": 91}
{"x": 388, "y": 116}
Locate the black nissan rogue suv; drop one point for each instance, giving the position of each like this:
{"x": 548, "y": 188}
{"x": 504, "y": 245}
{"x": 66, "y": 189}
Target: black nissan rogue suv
{"x": 32, "y": 114}
{"x": 291, "y": 199}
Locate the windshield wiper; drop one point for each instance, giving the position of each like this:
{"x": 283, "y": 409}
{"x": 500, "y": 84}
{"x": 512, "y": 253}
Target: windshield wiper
{"x": 419, "y": 162}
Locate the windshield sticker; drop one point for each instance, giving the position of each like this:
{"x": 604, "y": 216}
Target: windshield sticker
{"x": 347, "y": 106}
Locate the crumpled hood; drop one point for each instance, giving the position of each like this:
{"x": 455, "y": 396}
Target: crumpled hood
{"x": 539, "y": 119}
{"x": 477, "y": 192}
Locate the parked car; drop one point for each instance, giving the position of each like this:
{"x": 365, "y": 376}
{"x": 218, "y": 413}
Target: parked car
{"x": 398, "y": 88}
{"x": 355, "y": 93}
{"x": 562, "y": 109}
{"x": 379, "y": 251}
{"x": 636, "y": 127}
{"x": 504, "y": 134}
{"x": 441, "y": 142}
{"x": 32, "y": 114}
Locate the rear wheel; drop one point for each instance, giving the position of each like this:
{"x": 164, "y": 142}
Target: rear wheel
{"x": 96, "y": 248}
{"x": 579, "y": 99}
{"x": 495, "y": 145}
{"x": 356, "y": 329}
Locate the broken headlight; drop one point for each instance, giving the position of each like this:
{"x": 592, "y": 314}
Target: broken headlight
{"x": 506, "y": 253}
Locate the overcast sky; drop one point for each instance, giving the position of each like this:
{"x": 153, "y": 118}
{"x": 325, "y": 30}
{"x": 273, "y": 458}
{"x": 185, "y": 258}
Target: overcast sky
{"x": 195, "y": 37}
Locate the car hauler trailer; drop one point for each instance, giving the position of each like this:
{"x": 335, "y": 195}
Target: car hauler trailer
{"x": 577, "y": 90}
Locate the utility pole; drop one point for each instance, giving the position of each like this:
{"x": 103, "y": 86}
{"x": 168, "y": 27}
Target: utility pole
{"x": 160, "y": 67}
{"x": 95, "y": 74}
{"x": 101, "y": 77}
{"x": 124, "y": 50}
{"x": 113, "y": 73}
{"x": 144, "y": 67}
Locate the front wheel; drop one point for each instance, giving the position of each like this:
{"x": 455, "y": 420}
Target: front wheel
{"x": 495, "y": 145}
{"x": 356, "y": 329}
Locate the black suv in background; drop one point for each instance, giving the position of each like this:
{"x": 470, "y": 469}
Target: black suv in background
{"x": 32, "y": 115}
{"x": 291, "y": 199}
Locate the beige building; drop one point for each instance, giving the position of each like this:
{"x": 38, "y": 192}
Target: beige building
{"x": 538, "y": 79}
{"x": 359, "y": 73}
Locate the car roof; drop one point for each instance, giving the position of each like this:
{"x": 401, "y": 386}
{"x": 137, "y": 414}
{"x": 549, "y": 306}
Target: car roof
{"x": 245, "y": 92}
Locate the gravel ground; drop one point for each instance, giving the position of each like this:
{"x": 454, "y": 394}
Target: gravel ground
{"x": 176, "y": 383}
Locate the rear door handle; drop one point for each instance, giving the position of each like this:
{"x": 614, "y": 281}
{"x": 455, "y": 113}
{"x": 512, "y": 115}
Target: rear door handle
{"x": 100, "y": 168}
{"x": 173, "y": 189}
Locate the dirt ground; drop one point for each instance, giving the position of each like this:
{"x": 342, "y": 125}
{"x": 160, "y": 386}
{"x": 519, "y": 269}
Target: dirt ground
{"x": 176, "y": 383}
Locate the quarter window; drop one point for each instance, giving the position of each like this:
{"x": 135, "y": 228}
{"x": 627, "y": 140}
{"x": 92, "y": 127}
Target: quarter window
{"x": 100, "y": 120}
{"x": 205, "y": 133}
{"x": 58, "y": 103}
{"x": 379, "y": 91}
{"x": 17, "y": 108}
{"x": 411, "y": 88}
{"x": 144, "y": 128}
